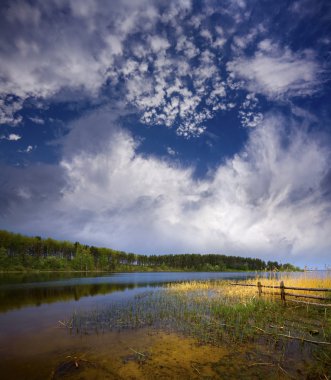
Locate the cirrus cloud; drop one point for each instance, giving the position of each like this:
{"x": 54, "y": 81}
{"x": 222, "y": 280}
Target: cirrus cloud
{"x": 260, "y": 202}
{"x": 278, "y": 73}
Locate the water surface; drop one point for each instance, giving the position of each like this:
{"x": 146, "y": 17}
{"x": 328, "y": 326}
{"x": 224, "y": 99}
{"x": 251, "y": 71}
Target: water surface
{"x": 31, "y": 306}
{"x": 18, "y": 291}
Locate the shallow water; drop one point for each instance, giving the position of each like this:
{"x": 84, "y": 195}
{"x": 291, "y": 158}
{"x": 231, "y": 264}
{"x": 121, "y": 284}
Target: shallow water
{"x": 35, "y": 345}
{"x": 31, "y": 306}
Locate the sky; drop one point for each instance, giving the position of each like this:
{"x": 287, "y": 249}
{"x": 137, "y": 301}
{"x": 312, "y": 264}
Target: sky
{"x": 175, "y": 126}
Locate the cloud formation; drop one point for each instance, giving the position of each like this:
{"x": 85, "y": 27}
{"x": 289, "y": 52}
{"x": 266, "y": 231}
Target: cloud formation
{"x": 278, "y": 72}
{"x": 11, "y": 137}
{"x": 169, "y": 61}
{"x": 192, "y": 67}
{"x": 268, "y": 200}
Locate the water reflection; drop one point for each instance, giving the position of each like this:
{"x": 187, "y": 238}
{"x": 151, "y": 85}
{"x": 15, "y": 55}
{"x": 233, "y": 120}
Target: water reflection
{"x": 16, "y": 298}
{"x": 33, "y": 342}
{"x": 29, "y": 289}
{"x": 26, "y": 278}
{"x": 22, "y": 290}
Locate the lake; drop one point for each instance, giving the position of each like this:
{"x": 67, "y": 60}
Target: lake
{"x": 31, "y": 306}
{"x": 36, "y": 345}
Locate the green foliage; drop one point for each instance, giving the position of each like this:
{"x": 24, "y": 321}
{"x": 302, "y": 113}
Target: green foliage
{"x": 289, "y": 268}
{"x": 83, "y": 260}
{"x": 3, "y": 258}
{"x": 19, "y": 253}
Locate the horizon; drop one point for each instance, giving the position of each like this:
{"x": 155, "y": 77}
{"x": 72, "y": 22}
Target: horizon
{"x": 304, "y": 267}
{"x": 181, "y": 126}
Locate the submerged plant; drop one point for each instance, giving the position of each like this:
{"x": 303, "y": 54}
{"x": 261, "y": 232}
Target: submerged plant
{"x": 218, "y": 313}
{"x": 212, "y": 311}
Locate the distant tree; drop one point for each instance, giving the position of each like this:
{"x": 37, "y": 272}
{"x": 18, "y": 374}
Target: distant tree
{"x": 21, "y": 252}
{"x": 83, "y": 260}
{"x": 3, "y": 258}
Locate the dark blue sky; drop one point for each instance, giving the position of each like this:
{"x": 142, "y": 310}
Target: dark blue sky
{"x": 168, "y": 126}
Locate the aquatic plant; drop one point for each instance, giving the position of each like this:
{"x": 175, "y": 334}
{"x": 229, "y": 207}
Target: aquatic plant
{"x": 219, "y": 313}
{"x": 212, "y": 311}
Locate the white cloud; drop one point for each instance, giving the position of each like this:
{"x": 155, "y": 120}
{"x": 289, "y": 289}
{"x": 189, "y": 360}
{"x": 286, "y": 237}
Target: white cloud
{"x": 37, "y": 120}
{"x": 250, "y": 101}
{"x": 219, "y": 43}
{"x": 9, "y": 106}
{"x": 141, "y": 50}
{"x": 159, "y": 44}
{"x": 205, "y": 33}
{"x": 39, "y": 61}
{"x": 261, "y": 202}
{"x": 14, "y": 137}
{"x": 145, "y": 52}
{"x": 28, "y": 149}
{"x": 187, "y": 47}
{"x": 248, "y": 114}
{"x": 250, "y": 119}
{"x": 278, "y": 73}
{"x": 165, "y": 99}
{"x": 171, "y": 151}
{"x": 115, "y": 45}
{"x": 241, "y": 42}
{"x": 11, "y": 137}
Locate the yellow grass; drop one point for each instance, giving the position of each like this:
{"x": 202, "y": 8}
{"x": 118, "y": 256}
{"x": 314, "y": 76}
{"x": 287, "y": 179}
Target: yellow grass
{"x": 243, "y": 293}
{"x": 304, "y": 280}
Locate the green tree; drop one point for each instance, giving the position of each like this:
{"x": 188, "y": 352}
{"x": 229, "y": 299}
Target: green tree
{"x": 3, "y": 258}
{"x": 83, "y": 260}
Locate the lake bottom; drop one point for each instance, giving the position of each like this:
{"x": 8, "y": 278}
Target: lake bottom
{"x": 147, "y": 354}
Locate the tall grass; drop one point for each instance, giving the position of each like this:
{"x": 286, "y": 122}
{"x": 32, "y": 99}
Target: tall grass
{"x": 300, "y": 280}
{"x": 219, "y": 313}
{"x": 214, "y": 312}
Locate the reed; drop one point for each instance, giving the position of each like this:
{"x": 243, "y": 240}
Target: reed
{"x": 218, "y": 313}
{"x": 214, "y": 312}
{"x": 301, "y": 280}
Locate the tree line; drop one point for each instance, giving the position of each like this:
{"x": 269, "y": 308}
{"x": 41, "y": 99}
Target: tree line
{"x": 19, "y": 253}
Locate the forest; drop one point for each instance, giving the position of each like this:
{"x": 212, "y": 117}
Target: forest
{"x": 24, "y": 253}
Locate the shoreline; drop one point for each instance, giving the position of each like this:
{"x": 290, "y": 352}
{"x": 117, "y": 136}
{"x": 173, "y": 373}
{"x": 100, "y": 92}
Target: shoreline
{"x": 146, "y": 271}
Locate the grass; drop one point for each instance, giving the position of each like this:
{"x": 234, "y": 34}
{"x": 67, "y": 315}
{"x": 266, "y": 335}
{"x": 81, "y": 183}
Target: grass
{"x": 245, "y": 294}
{"x": 213, "y": 311}
{"x": 219, "y": 313}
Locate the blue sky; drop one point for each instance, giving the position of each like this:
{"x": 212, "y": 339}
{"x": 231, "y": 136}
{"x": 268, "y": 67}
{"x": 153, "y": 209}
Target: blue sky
{"x": 168, "y": 126}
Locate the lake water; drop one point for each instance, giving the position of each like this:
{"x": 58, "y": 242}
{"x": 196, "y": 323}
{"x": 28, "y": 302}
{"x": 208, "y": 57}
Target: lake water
{"x": 31, "y": 306}
{"x": 31, "y": 338}
{"x": 48, "y": 296}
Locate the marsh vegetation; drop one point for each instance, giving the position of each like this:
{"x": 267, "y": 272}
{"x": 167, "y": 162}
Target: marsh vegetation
{"x": 293, "y": 339}
{"x": 161, "y": 325}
